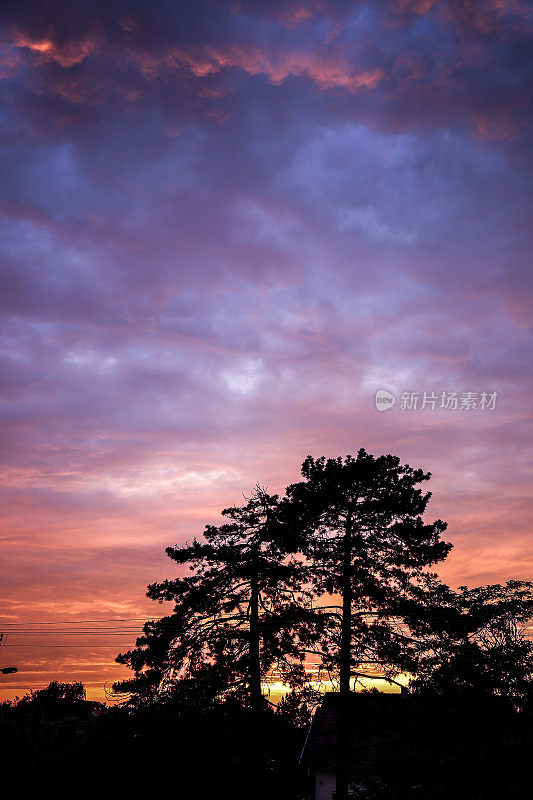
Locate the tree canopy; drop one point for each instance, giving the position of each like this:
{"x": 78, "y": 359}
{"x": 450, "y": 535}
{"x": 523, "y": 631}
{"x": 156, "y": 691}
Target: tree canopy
{"x": 236, "y": 613}
{"x": 339, "y": 571}
{"x": 483, "y": 647}
{"x": 367, "y": 545}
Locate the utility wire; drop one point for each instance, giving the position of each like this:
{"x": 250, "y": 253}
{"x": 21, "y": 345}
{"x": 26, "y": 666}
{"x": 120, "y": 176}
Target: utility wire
{"x": 77, "y": 622}
{"x": 36, "y": 644}
{"x": 4, "y": 624}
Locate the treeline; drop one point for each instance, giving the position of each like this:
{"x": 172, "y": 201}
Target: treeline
{"x": 54, "y": 741}
{"x": 432, "y": 747}
{"x": 330, "y": 582}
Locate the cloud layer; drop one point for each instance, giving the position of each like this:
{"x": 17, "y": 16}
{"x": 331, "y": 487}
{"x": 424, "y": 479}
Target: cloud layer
{"x": 225, "y": 226}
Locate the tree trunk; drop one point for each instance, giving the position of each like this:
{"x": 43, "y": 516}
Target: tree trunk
{"x": 347, "y": 596}
{"x": 255, "y": 659}
{"x": 345, "y": 655}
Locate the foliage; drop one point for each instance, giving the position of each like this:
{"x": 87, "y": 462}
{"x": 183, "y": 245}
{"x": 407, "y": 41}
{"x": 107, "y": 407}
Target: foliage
{"x": 235, "y": 616}
{"x": 166, "y": 747}
{"x": 361, "y": 529}
{"x": 56, "y": 701}
{"x": 298, "y": 705}
{"x": 486, "y": 650}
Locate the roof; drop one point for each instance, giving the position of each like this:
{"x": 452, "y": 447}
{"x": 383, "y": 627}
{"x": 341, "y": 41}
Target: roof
{"x": 367, "y": 714}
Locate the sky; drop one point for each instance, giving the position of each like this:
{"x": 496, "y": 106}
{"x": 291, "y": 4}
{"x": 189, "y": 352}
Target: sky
{"x": 225, "y": 226}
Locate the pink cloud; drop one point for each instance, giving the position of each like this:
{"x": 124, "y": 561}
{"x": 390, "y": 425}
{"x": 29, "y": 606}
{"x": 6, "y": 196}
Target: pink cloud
{"x": 325, "y": 71}
{"x": 66, "y": 54}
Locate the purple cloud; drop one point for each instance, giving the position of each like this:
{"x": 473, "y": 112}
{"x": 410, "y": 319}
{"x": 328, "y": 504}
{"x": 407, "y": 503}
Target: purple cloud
{"x": 224, "y": 227}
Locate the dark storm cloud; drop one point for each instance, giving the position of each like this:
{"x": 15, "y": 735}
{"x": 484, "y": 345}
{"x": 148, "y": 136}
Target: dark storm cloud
{"x": 394, "y": 64}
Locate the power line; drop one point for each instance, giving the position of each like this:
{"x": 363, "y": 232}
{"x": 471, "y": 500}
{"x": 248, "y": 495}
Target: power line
{"x": 37, "y": 644}
{"x": 422, "y": 612}
{"x": 62, "y": 634}
{"x": 77, "y": 622}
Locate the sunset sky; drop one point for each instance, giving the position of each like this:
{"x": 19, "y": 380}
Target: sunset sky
{"x": 225, "y": 226}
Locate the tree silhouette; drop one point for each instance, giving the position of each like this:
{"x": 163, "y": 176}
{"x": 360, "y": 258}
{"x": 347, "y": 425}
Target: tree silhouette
{"x": 56, "y": 701}
{"x": 352, "y": 535}
{"x": 361, "y": 528}
{"x": 234, "y": 618}
{"x": 483, "y": 647}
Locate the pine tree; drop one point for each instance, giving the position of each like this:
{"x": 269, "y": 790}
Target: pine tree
{"x": 361, "y": 528}
{"x": 235, "y": 616}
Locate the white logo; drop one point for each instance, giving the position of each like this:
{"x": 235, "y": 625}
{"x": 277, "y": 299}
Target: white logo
{"x": 384, "y": 400}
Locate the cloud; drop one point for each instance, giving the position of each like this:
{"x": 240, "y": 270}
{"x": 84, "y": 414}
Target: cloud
{"x": 224, "y": 228}
{"x": 67, "y": 54}
{"x": 403, "y": 64}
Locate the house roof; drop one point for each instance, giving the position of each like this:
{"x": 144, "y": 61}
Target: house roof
{"x": 366, "y": 714}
